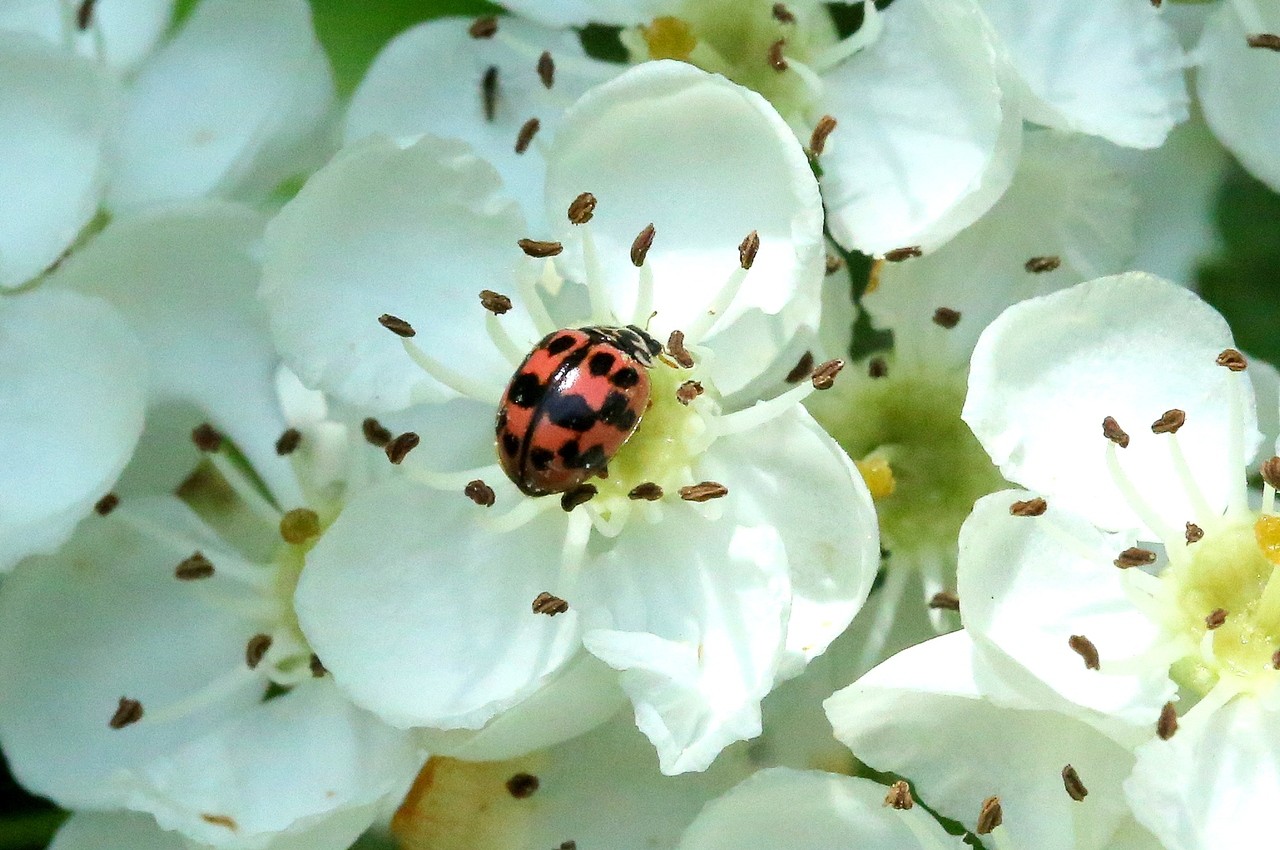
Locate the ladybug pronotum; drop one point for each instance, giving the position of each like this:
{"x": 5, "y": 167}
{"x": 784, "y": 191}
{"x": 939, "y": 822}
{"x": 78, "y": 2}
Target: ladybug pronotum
{"x": 571, "y": 404}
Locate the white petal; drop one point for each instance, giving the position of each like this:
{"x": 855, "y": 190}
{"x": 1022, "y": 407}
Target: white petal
{"x": 423, "y": 615}
{"x": 72, "y": 389}
{"x": 229, "y": 106}
{"x": 1239, "y": 86}
{"x": 429, "y": 80}
{"x": 1048, "y": 371}
{"x": 1210, "y": 784}
{"x": 1112, "y": 70}
{"x": 114, "y": 831}
{"x": 416, "y": 233}
{"x": 54, "y": 107}
{"x": 124, "y": 30}
{"x": 927, "y": 141}
{"x": 808, "y": 810}
{"x": 576, "y": 13}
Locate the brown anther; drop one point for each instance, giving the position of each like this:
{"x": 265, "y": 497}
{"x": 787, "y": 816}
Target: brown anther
{"x": 641, "y": 244}
{"x": 528, "y": 130}
{"x": 777, "y": 61}
{"x": 648, "y": 491}
{"x": 579, "y": 495}
{"x": 1271, "y": 471}
{"x": 990, "y": 816}
{"x": 495, "y": 302}
{"x": 400, "y": 447}
{"x": 396, "y": 325}
{"x": 582, "y": 208}
{"x": 877, "y": 367}
{"x": 1264, "y": 40}
{"x": 374, "y": 433}
{"x": 289, "y": 441}
{"x": 1112, "y": 431}
{"x": 106, "y": 504}
{"x": 824, "y": 377}
{"x": 299, "y": 526}
{"x": 1157, "y": 3}
{"x": 317, "y": 668}
{"x": 1194, "y": 533}
{"x": 1275, "y": 660}
{"x": 675, "y": 347}
{"x": 834, "y": 264}
{"x": 546, "y": 603}
{"x": 945, "y": 317}
{"x": 1168, "y": 722}
{"x": 568, "y": 845}
{"x": 688, "y": 391}
{"x": 1134, "y": 557}
{"x": 538, "y": 250}
{"x": 945, "y": 600}
{"x": 547, "y": 69}
{"x": 1216, "y": 618}
{"x": 84, "y": 15}
{"x": 489, "y": 92}
{"x": 193, "y": 568}
{"x": 129, "y": 711}
{"x": 206, "y": 437}
{"x": 897, "y": 255}
{"x": 1040, "y": 265}
{"x": 782, "y": 14}
{"x": 748, "y": 248}
{"x": 899, "y": 796}
{"x": 818, "y": 143}
{"x": 1071, "y": 781}
{"x": 1169, "y": 422}
{"x": 256, "y": 649}
{"x": 704, "y": 492}
{"x": 802, "y": 369}
{"x": 522, "y": 785}
{"x": 480, "y": 493}
{"x": 1232, "y": 359}
{"x": 1031, "y": 507}
{"x": 1084, "y": 647}
{"x": 224, "y": 821}
{"x": 486, "y": 27}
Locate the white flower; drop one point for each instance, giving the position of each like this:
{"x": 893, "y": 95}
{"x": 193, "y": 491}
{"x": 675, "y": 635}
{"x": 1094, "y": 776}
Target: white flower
{"x": 1134, "y": 578}
{"x": 418, "y": 599}
{"x": 120, "y": 33}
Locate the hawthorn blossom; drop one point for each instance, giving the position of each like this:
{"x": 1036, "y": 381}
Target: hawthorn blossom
{"x": 730, "y": 541}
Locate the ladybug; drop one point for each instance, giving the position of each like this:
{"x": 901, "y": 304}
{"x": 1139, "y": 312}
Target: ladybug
{"x": 571, "y": 404}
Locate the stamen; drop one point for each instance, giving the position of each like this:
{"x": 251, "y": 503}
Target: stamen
{"x": 106, "y": 504}
{"x": 762, "y": 411}
{"x": 207, "y": 438}
{"x": 245, "y": 489}
{"x": 1120, "y": 480}
{"x": 1239, "y": 503}
{"x": 648, "y": 491}
{"x": 193, "y": 568}
{"x": 495, "y": 302}
{"x": 886, "y": 613}
{"x": 128, "y": 712}
{"x": 688, "y": 391}
{"x": 877, "y": 367}
{"x": 288, "y": 442}
{"x": 990, "y": 816}
{"x": 675, "y": 347}
{"x": 1264, "y": 40}
{"x": 1215, "y": 619}
{"x": 1275, "y": 660}
{"x": 719, "y": 303}
{"x": 579, "y": 495}
{"x": 1180, "y": 466}
{"x": 299, "y": 526}
{"x": 1084, "y": 647}
{"x": 228, "y": 565}
{"x": 944, "y": 600}
{"x": 461, "y": 384}
{"x": 582, "y": 208}
{"x": 1040, "y": 265}
{"x": 574, "y": 551}
{"x": 452, "y": 481}
{"x": 216, "y": 691}
{"x": 644, "y": 297}
{"x": 1031, "y": 507}
{"x": 703, "y": 492}
{"x": 256, "y": 649}
{"x": 507, "y": 347}
{"x": 546, "y": 69}
{"x": 374, "y": 433}
{"x": 1071, "y": 781}
{"x": 801, "y": 370}
{"x": 396, "y": 325}
{"x": 782, "y": 14}
{"x": 224, "y": 821}
{"x": 824, "y": 377}
{"x": 480, "y": 493}
{"x": 899, "y": 796}
{"x": 546, "y": 603}
{"x": 316, "y": 666}
{"x": 1270, "y": 484}
{"x": 1169, "y": 422}
{"x": 748, "y": 248}
{"x": 532, "y": 299}
{"x": 484, "y": 27}
{"x": 1112, "y": 431}
{"x": 1167, "y": 725}
{"x": 527, "y": 131}
{"x": 398, "y": 449}
{"x": 1232, "y": 359}
{"x": 946, "y": 318}
{"x": 833, "y": 264}
{"x": 539, "y": 249}
{"x": 489, "y": 92}
{"x": 1194, "y": 533}
{"x": 641, "y": 244}
{"x": 522, "y": 785}
{"x": 908, "y": 252}
{"x": 817, "y": 145}
{"x": 1135, "y": 557}
{"x": 597, "y": 294}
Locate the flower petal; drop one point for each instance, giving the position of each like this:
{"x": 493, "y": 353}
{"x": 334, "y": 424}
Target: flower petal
{"x": 72, "y": 386}
{"x": 124, "y": 30}
{"x": 114, "y": 831}
{"x": 1047, "y": 372}
{"x": 577, "y": 13}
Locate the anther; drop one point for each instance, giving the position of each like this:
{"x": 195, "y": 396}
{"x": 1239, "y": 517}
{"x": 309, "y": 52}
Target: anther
{"x": 1194, "y": 533}
{"x": 1215, "y": 619}
{"x": 522, "y": 785}
{"x": 84, "y": 15}
{"x": 1264, "y": 40}
{"x": 704, "y": 492}
{"x": 374, "y": 433}
{"x": 1168, "y": 722}
{"x": 777, "y": 61}
{"x": 1112, "y": 431}
{"x": 897, "y": 255}
{"x": 1084, "y": 647}
{"x": 316, "y": 667}
{"x": 782, "y": 14}
{"x": 299, "y": 526}
{"x": 802, "y": 369}
{"x": 945, "y": 600}
{"x": 568, "y": 845}
{"x": 582, "y": 208}
{"x": 675, "y": 347}
{"x": 480, "y": 493}
{"x": 1169, "y": 422}
{"x": 489, "y": 92}
{"x": 528, "y": 130}
{"x": 834, "y": 264}
{"x": 538, "y": 250}
{"x": 256, "y": 649}
{"x": 824, "y": 377}
{"x": 579, "y": 495}
{"x": 877, "y": 367}
{"x": 1157, "y": 3}
{"x": 547, "y": 69}
{"x": 106, "y": 504}
{"x": 129, "y": 711}
{"x": 817, "y": 144}
{"x": 1275, "y": 660}
{"x": 1134, "y": 557}
{"x": 899, "y": 796}
{"x": 945, "y": 317}
{"x": 1271, "y": 471}
{"x": 990, "y": 816}
{"x": 1071, "y": 781}
{"x": 486, "y": 27}
{"x": 206, "y": 437}
{"x": 648, "y": 491}
{"x": 1040, "y": 265}
{"x": 641, "y": 244}
{"x": 747, "y": 249}
{"x": 289, "y": 442}
{"x": 1031, "y": 507}
{"x": 546, "y": 603}
{"x": 400, "y": 447}
{"x": 495, "y": 302}
{"x": 224, "y": 821}
{"x": 688, "y": 391}
{"x": 193, "y": 568}
{"x": 397, "y": 325}
{"x": 1232, "y": 359}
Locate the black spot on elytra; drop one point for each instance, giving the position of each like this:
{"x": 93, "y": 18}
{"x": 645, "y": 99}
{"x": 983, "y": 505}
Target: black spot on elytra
{"x": 526, "y": 390}
{"x": 541, "y": 459}
{"x": 570, "y": 411}
{"x": 569, "y": 452}
{"x": 561, "y": 344}
{"x": 592, "y": 458}
{"x": 617, "y": 412}
{"x": 502, "y": 420}
{"x": 601, "y": 362}
{"x": 510, "y": 443}
{"x": 625, "y": 377}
